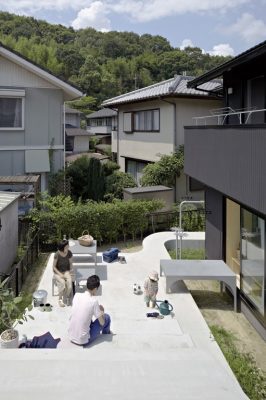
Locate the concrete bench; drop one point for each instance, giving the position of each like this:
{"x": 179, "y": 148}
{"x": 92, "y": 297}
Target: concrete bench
{"x": 175, "y": 270}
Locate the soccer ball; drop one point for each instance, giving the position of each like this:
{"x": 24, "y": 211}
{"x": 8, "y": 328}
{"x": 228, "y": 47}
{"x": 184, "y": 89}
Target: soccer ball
{"x": 136, "y": 289}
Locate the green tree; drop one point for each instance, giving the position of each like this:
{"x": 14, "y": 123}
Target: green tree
{"x": 116, "y": 182}
{"x": 164, "y": 171}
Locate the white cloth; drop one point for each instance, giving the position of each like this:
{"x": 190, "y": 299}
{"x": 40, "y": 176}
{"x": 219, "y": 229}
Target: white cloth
{"x": 84, "y": 308}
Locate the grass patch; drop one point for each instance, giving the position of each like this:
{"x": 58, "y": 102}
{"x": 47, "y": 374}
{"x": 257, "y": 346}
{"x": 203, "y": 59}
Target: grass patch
{"x": 32, "y": 281}
{"x": 250, "y": 377}
{"x": 189, "y": 254}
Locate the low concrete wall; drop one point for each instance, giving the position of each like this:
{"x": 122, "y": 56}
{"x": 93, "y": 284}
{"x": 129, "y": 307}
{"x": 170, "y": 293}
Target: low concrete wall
{"x": 192, "y": 240}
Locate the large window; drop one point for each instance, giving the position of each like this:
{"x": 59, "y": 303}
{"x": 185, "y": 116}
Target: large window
{"x": 147, "y": 121}
{"x": 253, "y": 259}
{"x": 135, "y": 168}
{"x": 11, "y": 109}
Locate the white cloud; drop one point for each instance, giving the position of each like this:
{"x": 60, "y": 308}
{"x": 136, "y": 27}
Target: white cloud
{"x": 139, "y": 10}
{"x": 186, "y": 43}
{"x": 223, "y": 49}
{"x": 94, "y": 17}
{"x": 149, "y": 10}
{"x": 249, "y": 28}
{"x": 31, "y": 6}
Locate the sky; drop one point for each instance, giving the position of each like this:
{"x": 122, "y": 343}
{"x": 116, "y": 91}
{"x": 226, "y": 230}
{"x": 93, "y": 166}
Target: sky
{"x": 219, "y": 27}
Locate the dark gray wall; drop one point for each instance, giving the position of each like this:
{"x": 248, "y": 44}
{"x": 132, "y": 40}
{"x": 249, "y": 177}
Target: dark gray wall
{"x": 214, "y": 225}
{"x": 231, "y": 160}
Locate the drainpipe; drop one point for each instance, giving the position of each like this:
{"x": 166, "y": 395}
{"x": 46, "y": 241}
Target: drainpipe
{"x": 64, "y": 135}
{"x": 117, "y": 131}
{"x": 174, "y": 135}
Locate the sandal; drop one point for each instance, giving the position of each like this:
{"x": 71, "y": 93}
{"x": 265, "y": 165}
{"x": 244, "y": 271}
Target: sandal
{"x": 61, "y": 303}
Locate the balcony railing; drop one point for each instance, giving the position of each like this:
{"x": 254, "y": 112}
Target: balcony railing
{"x": 220, "y": 115}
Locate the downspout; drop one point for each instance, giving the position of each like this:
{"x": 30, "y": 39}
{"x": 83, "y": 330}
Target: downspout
{"x": 174, "y": 135}
{"x": 117, "y": 130}
{"x": 64, "y": 136}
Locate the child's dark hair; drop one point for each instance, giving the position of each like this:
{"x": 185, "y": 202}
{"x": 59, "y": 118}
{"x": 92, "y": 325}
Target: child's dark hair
{"x": 93, "y": 282}
{"x": 62, "y": 245}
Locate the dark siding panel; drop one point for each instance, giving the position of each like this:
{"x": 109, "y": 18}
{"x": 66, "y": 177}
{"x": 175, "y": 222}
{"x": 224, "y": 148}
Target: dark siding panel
{"x": 231, "y": 160}
{"x": 214, "y": 225}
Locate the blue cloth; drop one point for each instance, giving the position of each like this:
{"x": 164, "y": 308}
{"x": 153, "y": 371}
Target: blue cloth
{"x": 45, "y": 341}
{"x": 96, "y": 328}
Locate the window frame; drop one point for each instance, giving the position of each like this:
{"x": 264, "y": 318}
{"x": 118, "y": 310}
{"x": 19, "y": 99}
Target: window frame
{"x": 14, "y": 94}
{"x": 146, "y": 113}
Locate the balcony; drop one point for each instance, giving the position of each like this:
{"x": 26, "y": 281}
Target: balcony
{"x": 228, "y": 115}
{"x": 230, "y": 159}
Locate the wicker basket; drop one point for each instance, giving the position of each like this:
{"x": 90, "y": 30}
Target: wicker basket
{"x": 85, "y": 239}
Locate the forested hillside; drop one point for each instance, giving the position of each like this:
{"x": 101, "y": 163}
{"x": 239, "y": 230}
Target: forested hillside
{"x": 103, "y": 65}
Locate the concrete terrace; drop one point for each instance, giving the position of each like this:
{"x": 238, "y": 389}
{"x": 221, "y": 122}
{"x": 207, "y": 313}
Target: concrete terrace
{"x": 171, "y": 358}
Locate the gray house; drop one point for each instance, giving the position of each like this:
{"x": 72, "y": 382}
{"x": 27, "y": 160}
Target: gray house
{"x": 226, "y": 153}
{"x": 8, "y": 229}
{"x": 151, "y": 124}
{"x": 77, "y": 139}
{"x": 31, "y": 117}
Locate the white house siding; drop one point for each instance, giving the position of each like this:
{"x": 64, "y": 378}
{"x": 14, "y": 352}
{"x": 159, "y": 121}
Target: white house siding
{"x": 186, "y": 109}
{"x": 81, "y": 144}
{"x": 73, "y": 119}
{"x": 99, "y": 130}
{"x": 149, "y": 146}
{"x": 14, "y": 75}
{"x": 43, "y": 130}
{"x": 9, "y": 236}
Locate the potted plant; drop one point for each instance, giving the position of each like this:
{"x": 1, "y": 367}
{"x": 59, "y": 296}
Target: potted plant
{"x": 10, "y": 312}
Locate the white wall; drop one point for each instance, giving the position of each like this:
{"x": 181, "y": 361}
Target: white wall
{"x": 81, "y": 144}
{"x": 149, "y": 146}
{"x": 8, "y": 236}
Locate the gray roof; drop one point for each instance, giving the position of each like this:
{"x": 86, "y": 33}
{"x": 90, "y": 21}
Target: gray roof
{"x": 174, "y": 87}
{"x": 147, "y": 189}
{"x": 74, "y": 157}
{"x": 7, "y": 198}
{"x": 70, "y": 110}
{"x": 76, "y": 132}
{"x": 104, "y": 112}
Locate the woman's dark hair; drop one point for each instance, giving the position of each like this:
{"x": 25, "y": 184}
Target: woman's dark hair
{"x": 93, "y": 282}
{"x": 62, "y": 245}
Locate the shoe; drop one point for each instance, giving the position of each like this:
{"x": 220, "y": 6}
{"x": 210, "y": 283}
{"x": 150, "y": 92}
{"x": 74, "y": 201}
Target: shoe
{"x": 48, "y": 307}
{"x": 42, "y": 307}
{"x": 153, "y": 314}
{"x": 68, "y": 302}
{"x": 61, "y": 303}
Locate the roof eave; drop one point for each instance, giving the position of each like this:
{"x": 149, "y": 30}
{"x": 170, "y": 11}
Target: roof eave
{"x": 227, "y": 66}
{"x": 70, "y": 92}
{"x": 159, "y": 97}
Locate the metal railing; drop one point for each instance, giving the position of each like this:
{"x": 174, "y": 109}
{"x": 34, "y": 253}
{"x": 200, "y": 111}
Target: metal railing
{"x": 220, "y": 115}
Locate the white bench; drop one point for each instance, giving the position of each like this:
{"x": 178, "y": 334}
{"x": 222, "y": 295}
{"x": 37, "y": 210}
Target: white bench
{"x": 175, "y": 270}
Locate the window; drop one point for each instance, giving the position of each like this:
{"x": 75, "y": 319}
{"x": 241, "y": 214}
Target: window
{"x": 147, "y": 121}
{"x": 253, "y": 259}
{"x": 12, "y": 109}
{"x": 128, "y": 122}
{"x": 135, "y": 168}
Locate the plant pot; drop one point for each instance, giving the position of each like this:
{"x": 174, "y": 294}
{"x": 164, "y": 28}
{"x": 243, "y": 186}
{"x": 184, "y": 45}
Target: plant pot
{"x": 9, "y": 339}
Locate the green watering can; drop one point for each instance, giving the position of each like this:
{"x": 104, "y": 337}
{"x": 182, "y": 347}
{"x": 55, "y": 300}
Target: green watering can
{"x": 164, "y": 307}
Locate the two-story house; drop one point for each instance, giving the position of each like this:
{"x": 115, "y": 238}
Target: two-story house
{"x": 151, "y": 124}
{"x": 226, "y": 153}
{"x": 77, "y": 140}
{"x": 31, "y": 117}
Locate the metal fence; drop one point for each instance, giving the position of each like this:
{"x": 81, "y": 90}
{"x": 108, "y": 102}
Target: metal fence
{"x": 20, "y": 270}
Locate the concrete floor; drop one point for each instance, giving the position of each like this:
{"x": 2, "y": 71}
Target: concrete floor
{"x": 171, "y": 358}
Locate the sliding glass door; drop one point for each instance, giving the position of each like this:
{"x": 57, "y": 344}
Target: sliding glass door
{"x": 253, "y": 259}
